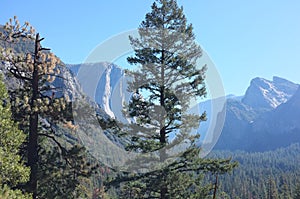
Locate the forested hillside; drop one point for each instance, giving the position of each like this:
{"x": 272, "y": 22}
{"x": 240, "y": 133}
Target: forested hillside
{"x": 263, "y": 175}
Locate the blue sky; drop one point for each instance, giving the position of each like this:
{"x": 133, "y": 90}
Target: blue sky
{"x": 245, "y": 39}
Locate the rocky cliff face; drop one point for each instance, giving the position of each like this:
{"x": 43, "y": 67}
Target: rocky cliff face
{"x": 265, "y": 94}
{"x": 103, "y": 82}
{"x": 267, "y": 117}
{"x": 283, "y": 120}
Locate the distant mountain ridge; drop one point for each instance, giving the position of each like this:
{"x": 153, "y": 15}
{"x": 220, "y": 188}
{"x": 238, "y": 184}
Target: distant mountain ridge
{"x": 253, "y": 121}
{"x": 266, "y": 118}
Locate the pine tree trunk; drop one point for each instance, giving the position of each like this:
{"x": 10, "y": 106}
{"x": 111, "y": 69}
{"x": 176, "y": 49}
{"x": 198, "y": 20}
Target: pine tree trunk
{"x": 163, "y": 141}
{"x": 163, "y": 188}
{"x": 215, "y": 187}
{"x": 33, "y": 128}
{"x": 162, "y": 132}
{"x": 163, "y": 191}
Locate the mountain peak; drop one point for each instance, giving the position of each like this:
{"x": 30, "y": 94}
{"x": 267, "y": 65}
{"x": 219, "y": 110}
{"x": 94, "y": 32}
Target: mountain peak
{"x": 266, "y": 94}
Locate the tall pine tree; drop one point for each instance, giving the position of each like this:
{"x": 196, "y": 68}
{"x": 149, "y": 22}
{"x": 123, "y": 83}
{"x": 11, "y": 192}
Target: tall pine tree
{"x": 40, "y": 110}
{"x": 165, "y": 82}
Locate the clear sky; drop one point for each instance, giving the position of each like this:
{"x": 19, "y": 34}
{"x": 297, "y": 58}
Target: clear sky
{"x": 245, "y": 39}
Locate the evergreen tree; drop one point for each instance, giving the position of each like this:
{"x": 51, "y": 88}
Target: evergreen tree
{"x": 297, "y": 192}
{"x": 286, "y": 193}
{"x": 163, "y": 86}
{"x": 13, "y": 172}
{"x": 40, "y": 109}
{"x": 272, "y": 190}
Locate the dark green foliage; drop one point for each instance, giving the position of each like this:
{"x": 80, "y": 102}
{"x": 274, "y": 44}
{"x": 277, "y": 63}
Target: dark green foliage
{"x": 165, "y": 54}
{"x": 65, "y": 174}
{"x": 13, "y": 172}
{"x": 163, "y": 84}
{"x": 262, "y": 175}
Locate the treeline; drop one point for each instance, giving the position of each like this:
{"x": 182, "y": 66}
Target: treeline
{"x": 264, "y": 175}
